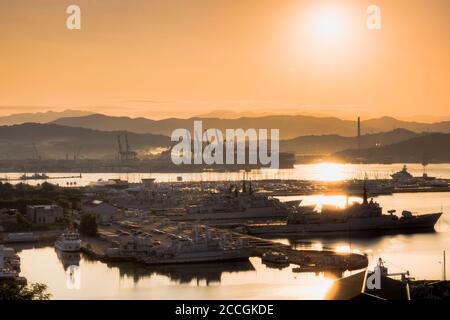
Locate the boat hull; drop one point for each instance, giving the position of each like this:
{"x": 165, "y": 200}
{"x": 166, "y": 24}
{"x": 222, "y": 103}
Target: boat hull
{"x": 247, "y": 214}
{"x": 204, "y": 257}
{"x": 384, "y": 223}
{"x": 73, "y": 247}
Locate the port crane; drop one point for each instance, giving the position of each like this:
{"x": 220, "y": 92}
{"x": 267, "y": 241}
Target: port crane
{"x": 36, "y": 155}
{"x": 77, "y": 153}
{"x": 127, "y": 154}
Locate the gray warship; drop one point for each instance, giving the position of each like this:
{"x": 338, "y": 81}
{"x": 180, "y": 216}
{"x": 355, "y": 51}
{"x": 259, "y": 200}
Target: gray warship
{"x": 365, "y": 216}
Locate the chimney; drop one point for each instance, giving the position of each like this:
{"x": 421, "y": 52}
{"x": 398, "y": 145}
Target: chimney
{"x": 359, "y": 133}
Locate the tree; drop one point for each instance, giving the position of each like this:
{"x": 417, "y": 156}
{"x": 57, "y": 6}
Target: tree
{"x": 11, "y": 290}
{"x": 88, "y": 224}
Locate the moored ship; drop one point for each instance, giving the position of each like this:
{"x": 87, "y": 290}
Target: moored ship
{"x": 68, "y": 242}
{"x": 275, "y": 257}
{"x": 237, "y": 205}
{"x": 36, "y": 176}
{"x": 365, "y": 216}
{"x": 198, "y": 249}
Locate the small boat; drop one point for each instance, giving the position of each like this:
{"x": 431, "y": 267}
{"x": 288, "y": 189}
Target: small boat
{"x": 35, "y": 176}
{"x": 275, "y": 257}
{"x": 69, "y": 242}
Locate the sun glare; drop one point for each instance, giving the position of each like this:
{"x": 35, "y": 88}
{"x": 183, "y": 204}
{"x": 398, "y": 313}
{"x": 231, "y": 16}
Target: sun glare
{"x": 329, "y": 24}
{"x": 329, "y": 172}
{"x": 326, "y": 25}
{"x": 343, "y": 249}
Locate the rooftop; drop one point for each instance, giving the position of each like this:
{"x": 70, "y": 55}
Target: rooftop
{"x": 354, "y": 287}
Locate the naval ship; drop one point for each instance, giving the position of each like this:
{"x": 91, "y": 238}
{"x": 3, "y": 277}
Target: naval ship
{"x": 201, "y": 248}
{"x": 365, "y": 216}
{"x": 237, "y": 205}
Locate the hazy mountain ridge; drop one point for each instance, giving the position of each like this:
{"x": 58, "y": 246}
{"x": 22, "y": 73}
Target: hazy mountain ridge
{"x": 436, "y": 147}
{"x": 290, "y": 126}
{"x": 55, "y": 142}
{"x": 326, "y": 144}
{"x": 40, "y": 117}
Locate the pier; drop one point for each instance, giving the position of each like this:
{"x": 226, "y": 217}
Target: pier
{"x": 306, "y": 260}
{"x": 30, "y": 178}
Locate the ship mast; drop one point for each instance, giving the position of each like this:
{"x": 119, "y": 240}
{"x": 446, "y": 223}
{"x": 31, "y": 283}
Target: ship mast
{"x": 365, "y": 193}
{"x": 444, "y": 271}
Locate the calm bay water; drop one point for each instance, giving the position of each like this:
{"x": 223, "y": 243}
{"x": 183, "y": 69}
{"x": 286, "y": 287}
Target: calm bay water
{"x": 421, "y": 254}
{"x": 237, "y": 280}
{"x": 318, "y": 172}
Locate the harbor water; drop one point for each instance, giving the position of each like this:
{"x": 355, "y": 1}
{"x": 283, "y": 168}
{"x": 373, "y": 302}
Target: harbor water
{"x": 233, "y": 280}
{"x": 315, "y": 172}
{"x": 421, "y": 254}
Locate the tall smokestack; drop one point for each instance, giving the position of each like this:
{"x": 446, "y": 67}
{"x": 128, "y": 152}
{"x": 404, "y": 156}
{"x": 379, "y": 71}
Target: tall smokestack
{"x": 359, "y": 133}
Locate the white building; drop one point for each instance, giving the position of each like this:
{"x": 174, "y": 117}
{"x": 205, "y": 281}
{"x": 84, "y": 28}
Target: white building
{"x": 103, "y": 210}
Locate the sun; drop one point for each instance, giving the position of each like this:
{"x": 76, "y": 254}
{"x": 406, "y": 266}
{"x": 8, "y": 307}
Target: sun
{"x": 329, "y": 24}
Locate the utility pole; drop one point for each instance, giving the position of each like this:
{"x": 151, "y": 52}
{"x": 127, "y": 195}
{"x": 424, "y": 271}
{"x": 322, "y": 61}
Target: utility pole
{"x": 359, "y": 133}
{"x": 119, "y": 145}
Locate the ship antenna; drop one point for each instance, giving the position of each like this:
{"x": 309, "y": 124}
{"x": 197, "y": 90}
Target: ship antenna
{"x": 365, "y": 193}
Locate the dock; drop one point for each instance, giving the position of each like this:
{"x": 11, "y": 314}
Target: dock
{"x": 40, "y": 179}
{"x": 307, "y": 260}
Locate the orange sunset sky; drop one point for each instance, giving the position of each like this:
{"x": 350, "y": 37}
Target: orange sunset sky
{"x": 178, "y": 58}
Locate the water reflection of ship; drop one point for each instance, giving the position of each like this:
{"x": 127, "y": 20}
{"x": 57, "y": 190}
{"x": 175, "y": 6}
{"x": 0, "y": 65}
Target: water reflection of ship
{"x": 68, "y": 259}
{"x": 209, "y": 272}
{"x": 277, "y": 266}
{"x": 317, "y": 270}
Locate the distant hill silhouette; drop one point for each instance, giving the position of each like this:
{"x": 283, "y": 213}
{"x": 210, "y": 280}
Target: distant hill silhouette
{"x": 326, "y": 144}
{"x": 40, "y": 117}
{"x": 54, "y": 142}
{"x": 435, "y": 145}
{"x": 290, "y": 126}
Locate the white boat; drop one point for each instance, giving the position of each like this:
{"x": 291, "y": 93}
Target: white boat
{"x": 10, "y": 265}
{"x": 36, "y": 176}
{"x": 68, "y": 242}
{"x": 402, "y": 175}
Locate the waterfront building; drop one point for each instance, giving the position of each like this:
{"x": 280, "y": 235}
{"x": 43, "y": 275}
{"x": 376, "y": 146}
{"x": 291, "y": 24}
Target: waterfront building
{"x": 103, "y": 210}
{"x": 45, "y": 214}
